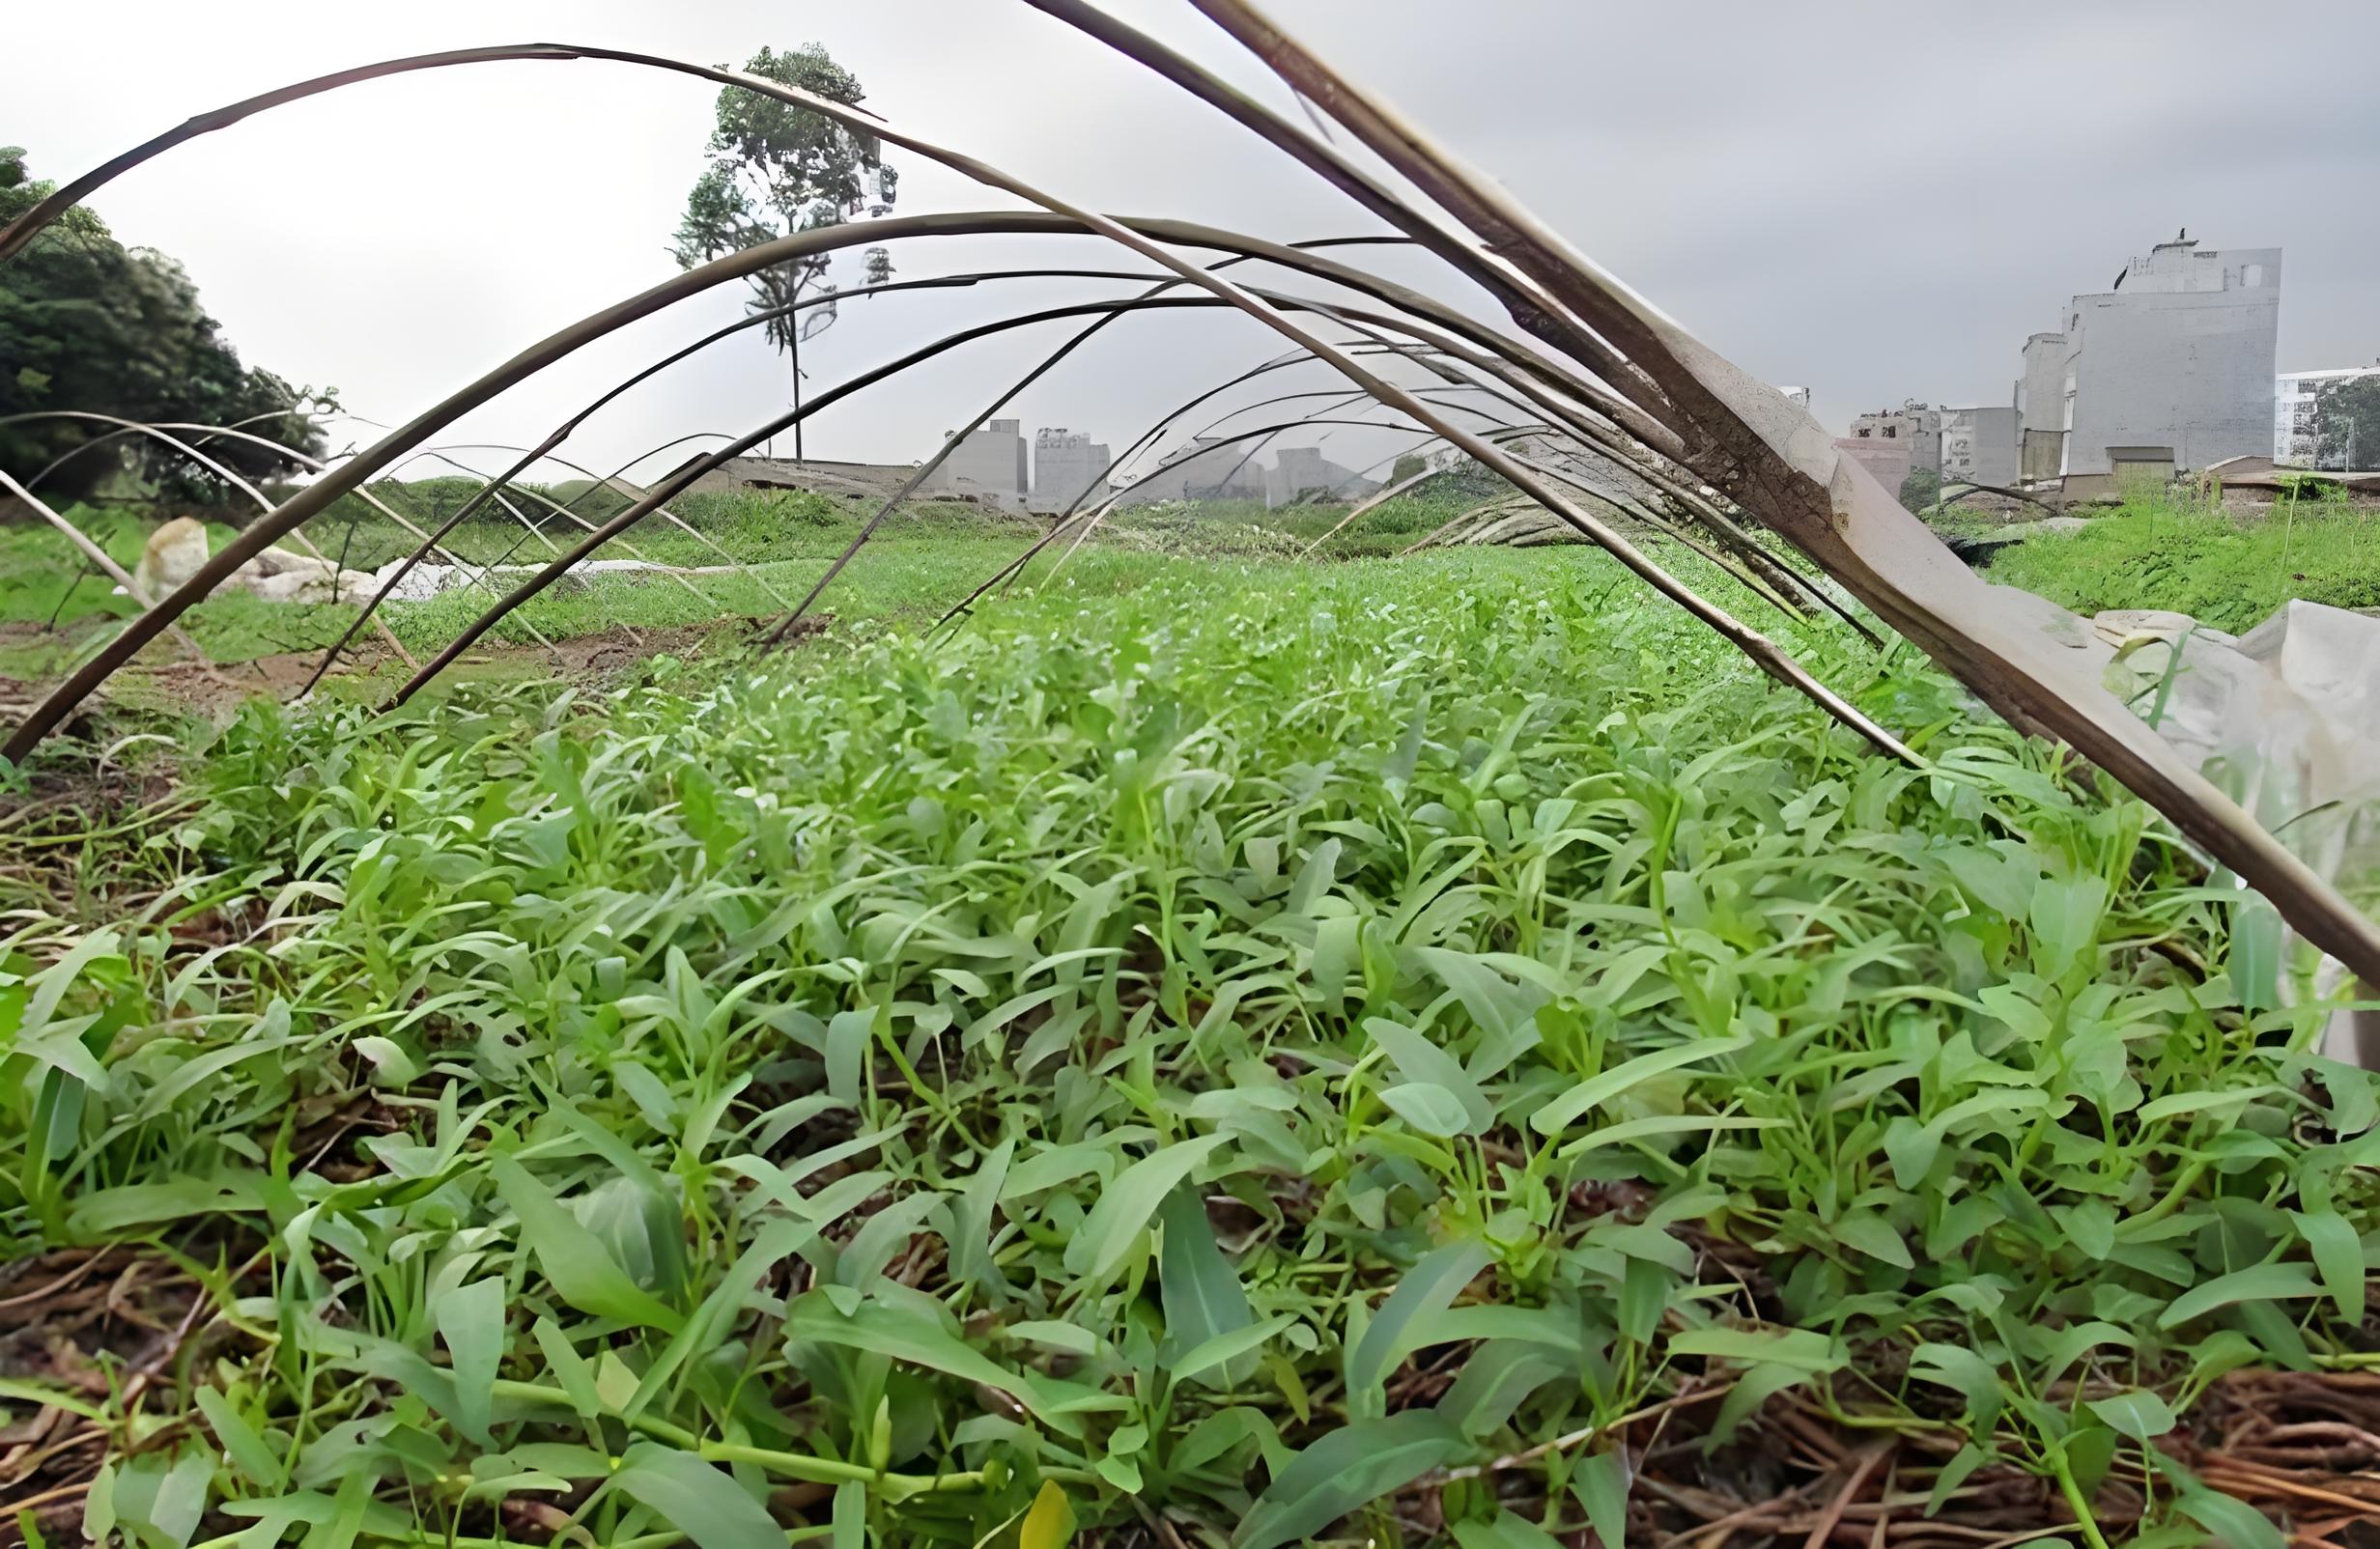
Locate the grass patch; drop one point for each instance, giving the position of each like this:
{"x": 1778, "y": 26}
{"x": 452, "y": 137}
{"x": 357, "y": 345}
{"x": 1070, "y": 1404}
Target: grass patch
{"x": 2219, "y": 569}
{"x": 1222, "y": 1050}
{"x": 924, "y": 559}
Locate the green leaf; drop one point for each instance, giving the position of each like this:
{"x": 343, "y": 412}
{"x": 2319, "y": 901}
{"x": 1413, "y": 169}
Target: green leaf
{"x": 1497, "y": 1379}
{"x": 2065, "y": 917}
{"x": 240, "y": 1443}
{"x": 391, "y": 1065}
{"x": 1871, "y": 1234}
{"x": 1424, "y": 1063}
{"x": 971, "y": 1244}
{"x": 2265, "y": 1282}
{"x": 2176, "y": 1104}
{"x": 2002, "y": 877}
{"x": 1911, "y": 1147}
{"x": 2255, "y": 953}
{"x": 1801, "y": 1349}
{"x": 1954, "y": 1474}
{"x": 714, "y": 1319}
{"x": 1124, "y": 1206}
{"x": 582, "y": 1270}
{"x": 849, "y": 1518}
{"x": 163, "y": 1504}
{"x": 470, "y": 1319}
{"x": 2137, "y": 1415}
{"x": 2338, "y": 1257}
{"x": 1226, "y": 1430}
{"x": 1509, "y": 1530}
{"x": 2230, "y": 1520}
{"x": 1338, "y": 948}
{"x": 53, "y": 981}
{"x": 1314, "y": 878}
{"x": 1431, "y": 1109}
{"x": 1628, "y": 1131}
{"x": 2090, "y": 1225}
{"x": 883, "y": 1236}
{"x": 2071, "y": 1343}
{"x": 1226, "y": 1347}
{"x": 1199, "y": 1291}
{"x": 1049, "y": 1523}
{"x": 1502, "y": 1010}
{"x": 1646, "y": 1290}
{"x": 1959, "y": 1368}
{"x": 43, "y": 1396}
{"x": 702, "y": 1502}
{"x": 1755, "y": 1388}
{"x": 1565, "y": 1109}
{"x": 1428, "y": 1289}
{"x": 1600, "y": 1483}
{"x": 569, "y": 1367}
{"x": 1351, "y": 1466}
{"x": 846, "y": 1051}
{"x": 897, "y": 1330}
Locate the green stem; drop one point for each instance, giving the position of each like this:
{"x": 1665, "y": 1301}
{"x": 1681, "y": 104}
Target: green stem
{"x": 794, "y": 1465}
{"x": 2074, "y": 1498}
{"x": 829, "y": 1471}
{"x": 2183, "y": 1182}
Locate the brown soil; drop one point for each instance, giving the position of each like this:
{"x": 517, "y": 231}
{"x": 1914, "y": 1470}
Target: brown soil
{"x": 217, "y": 688}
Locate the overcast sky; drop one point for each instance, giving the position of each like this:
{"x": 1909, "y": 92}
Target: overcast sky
{"x": 1877, "y": 200}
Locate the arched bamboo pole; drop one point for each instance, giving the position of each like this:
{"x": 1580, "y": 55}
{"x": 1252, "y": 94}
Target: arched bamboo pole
{"x": 1748, "y": 439}
{"x": 1742, "y": 438}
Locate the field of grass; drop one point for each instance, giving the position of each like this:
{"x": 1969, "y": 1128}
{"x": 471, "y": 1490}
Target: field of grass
{"x": 1247, "y": 1054}
{"x": 2221, "y": 570}
{"x": 922, "y": 561}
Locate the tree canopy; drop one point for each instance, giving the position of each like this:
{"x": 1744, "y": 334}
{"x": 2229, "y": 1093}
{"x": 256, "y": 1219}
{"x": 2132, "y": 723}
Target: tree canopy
{"x": 88, "y": 323}
{"x": 776, "y": 169}
{"x": 2347, "y": 418}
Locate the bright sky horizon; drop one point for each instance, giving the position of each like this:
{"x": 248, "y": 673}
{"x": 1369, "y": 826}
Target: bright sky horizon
{"x": 1877, "y": 205}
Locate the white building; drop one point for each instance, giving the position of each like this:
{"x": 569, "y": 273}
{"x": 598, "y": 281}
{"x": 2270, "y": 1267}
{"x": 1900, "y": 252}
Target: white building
{"x": 2172, "y": 368}
{"x": 1068, "y": 469}
{"x": 2296, "y": 425}
{"x": 1207, "y": 468}
{"x": 1979, "y": 445}
{"x": 2041, "y": 408}
{"x": 988, "y": 464}
{"x": 1303, "y": 470}
{"x": 1914, "y": 425}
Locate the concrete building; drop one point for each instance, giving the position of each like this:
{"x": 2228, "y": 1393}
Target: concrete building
{"x": 1302, "y": 470}
{"x": 2297, "y": 424}
{"x": 2172, "y": 368}
{"x": 1884, "y": 456}
{"x": 1066, "y": 464}
{"x": 1207, "y": 468}
{"x": 1916, "y": 426}
{"x": 849, "y": 481}
{"x": 1799, "y": 397}
{"x": 1979, "y": 445}
{"x": 2041, "y": 408}
{"x": 989, "y": 463}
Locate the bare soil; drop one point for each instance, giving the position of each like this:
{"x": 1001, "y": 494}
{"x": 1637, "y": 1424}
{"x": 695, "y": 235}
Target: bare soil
{"x": 216, "y": 690}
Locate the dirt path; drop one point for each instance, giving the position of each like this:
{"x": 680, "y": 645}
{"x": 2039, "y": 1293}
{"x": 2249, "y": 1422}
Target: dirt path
{"x": 216, "y": 690}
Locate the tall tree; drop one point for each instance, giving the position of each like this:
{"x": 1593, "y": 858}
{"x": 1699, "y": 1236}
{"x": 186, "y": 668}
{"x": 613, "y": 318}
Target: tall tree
{"x": 2347, "y": 424}
{"x": 776, "y": 169}
{"x": 88, "y": 323}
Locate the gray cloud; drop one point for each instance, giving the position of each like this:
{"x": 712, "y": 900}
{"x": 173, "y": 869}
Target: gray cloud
{"x": 1877, "y": 203}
